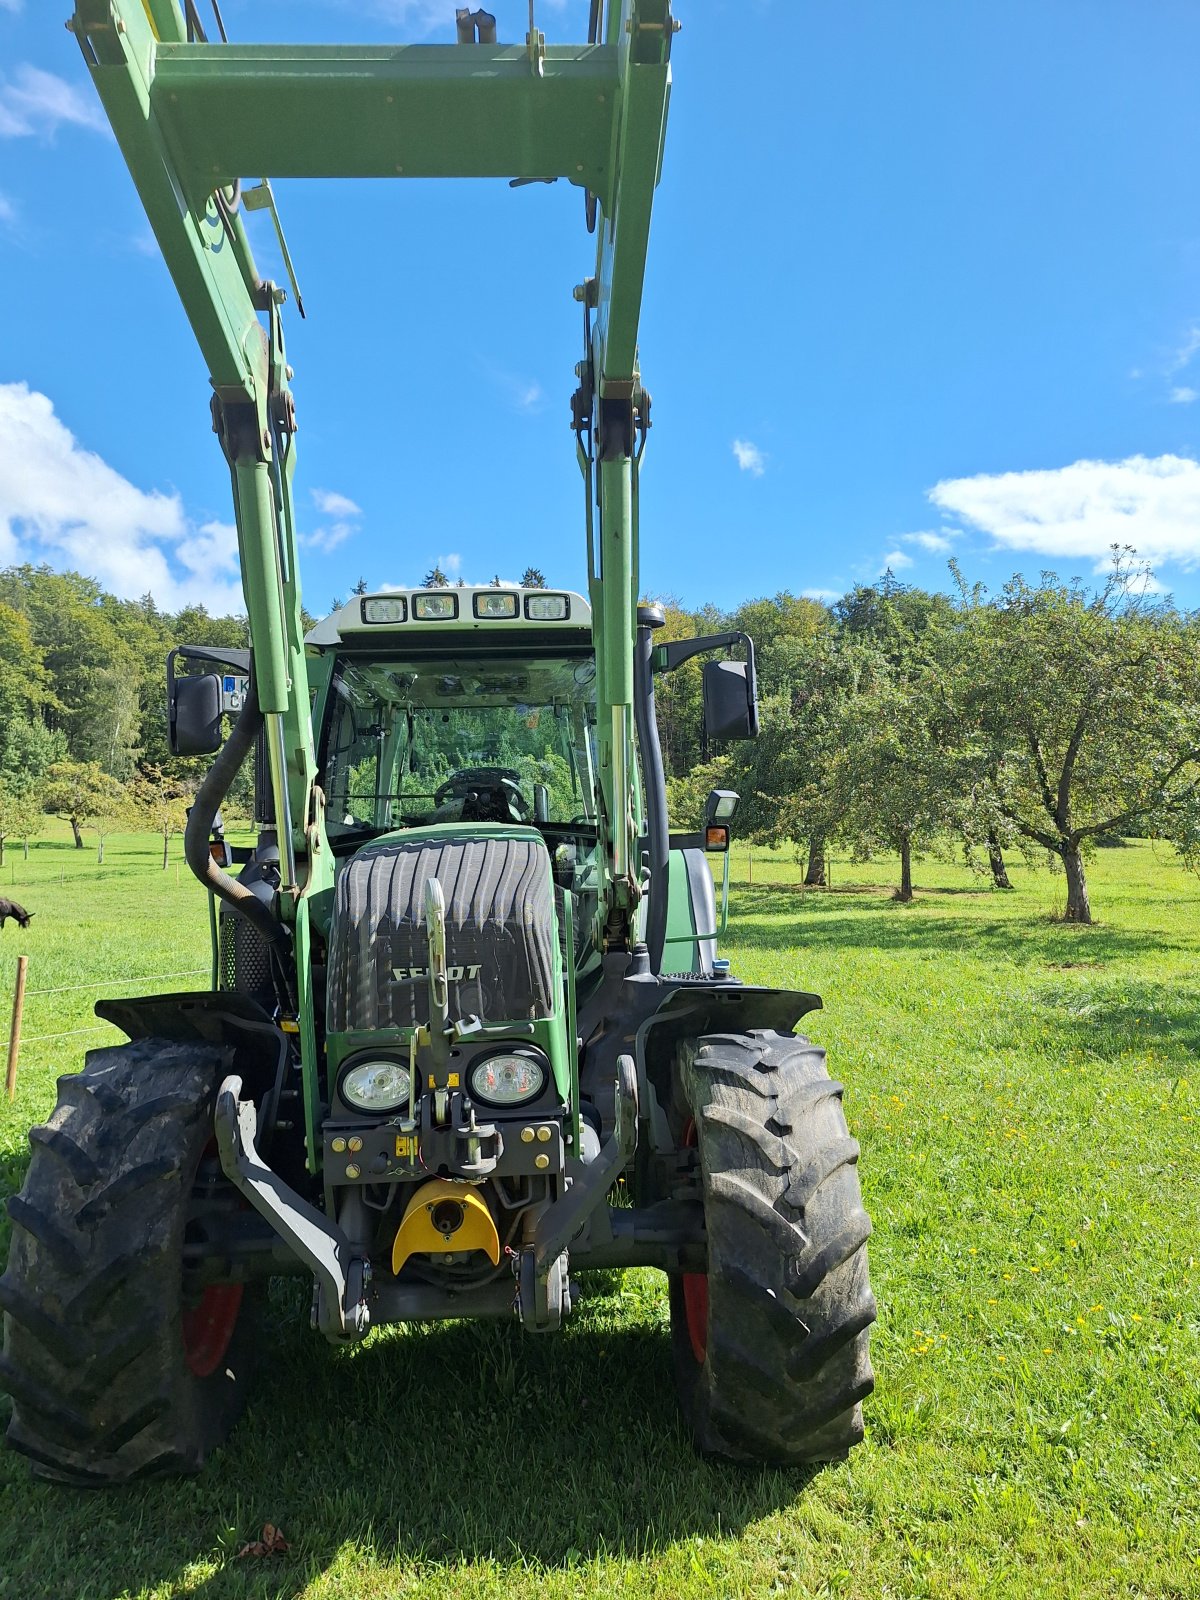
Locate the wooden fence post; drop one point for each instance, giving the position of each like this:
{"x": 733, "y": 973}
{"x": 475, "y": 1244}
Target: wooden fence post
{"x": 14, "y": 1038}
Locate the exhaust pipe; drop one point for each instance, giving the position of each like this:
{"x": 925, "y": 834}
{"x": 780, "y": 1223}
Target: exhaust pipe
{"x": 469, "y": 22}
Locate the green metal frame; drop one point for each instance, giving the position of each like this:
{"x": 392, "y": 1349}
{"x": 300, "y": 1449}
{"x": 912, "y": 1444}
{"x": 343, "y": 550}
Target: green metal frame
{"x": 193, "y": 119}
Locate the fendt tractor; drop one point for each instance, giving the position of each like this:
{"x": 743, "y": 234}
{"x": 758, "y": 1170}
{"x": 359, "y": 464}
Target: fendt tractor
{"x": 468, "y": 1037}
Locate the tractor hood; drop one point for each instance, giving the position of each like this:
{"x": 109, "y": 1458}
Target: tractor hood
{"x": 501, "y": 932}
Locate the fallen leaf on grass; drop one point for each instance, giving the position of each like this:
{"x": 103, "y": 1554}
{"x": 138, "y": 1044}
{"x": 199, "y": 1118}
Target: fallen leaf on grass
{"x": 272, "y": 1543}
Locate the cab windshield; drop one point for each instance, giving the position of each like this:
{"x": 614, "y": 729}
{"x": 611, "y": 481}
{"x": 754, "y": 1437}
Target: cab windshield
{"x": 474, "y": 739}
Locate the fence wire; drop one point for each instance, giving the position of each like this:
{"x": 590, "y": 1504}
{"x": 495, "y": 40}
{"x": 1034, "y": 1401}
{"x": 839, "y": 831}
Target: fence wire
{"x": 103, "y": 983}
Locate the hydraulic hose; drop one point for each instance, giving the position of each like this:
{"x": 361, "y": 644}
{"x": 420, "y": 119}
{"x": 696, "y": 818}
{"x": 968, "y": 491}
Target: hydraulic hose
{"x": 657, "y": 827}
{"x": 208, "y": 799}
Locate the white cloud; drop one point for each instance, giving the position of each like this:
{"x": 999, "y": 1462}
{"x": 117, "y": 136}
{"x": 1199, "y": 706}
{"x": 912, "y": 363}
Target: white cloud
{"x": 937, "y": 544}
{"x": 344, "y": 513}
{"x": 33, "y": 101}
{"x": 749, "y": 457}
{"x": 331, "y": 504}
{"x": 522, "y": 393}
{"x": 895, "y": 561}
{"x": 10, "y": 5}
{"x": 824, "y": 595}
{"x": 63, "y": 504}
{"x": 8, "y": 211}
{"x": 1187, "y": 348}
{"x": 1181, "y": 395}
{"x": 1082, "y": 510}
{"x": 328, "y": 538}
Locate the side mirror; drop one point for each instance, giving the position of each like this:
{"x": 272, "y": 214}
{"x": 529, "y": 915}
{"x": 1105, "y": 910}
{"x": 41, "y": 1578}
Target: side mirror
{"x": 541, "y": 803}
{"x": 730, "y": 700}
{"x": 194, "y": 715}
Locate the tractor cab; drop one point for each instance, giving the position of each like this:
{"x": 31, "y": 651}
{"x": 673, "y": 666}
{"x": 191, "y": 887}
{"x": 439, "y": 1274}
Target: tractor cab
{"x": 478, "y": 712}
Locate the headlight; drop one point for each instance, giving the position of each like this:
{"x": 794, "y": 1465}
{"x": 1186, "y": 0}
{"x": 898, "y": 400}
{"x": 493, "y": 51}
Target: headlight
{"x": 375, "y": 1086}
{"x": 434, "y": 607}
{"x": 497, "y": 604}
{"x": 507, "y": 1080}
{"x": 547, "y": 607}
{"x": 385, "y": 609}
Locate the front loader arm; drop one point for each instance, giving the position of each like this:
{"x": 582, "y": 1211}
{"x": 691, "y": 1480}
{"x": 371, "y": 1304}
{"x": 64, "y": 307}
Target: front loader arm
{"x": 193, "y": 119}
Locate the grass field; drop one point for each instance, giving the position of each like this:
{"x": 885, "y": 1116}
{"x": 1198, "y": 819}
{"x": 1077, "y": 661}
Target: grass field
{"x": 1026, "y": 1097}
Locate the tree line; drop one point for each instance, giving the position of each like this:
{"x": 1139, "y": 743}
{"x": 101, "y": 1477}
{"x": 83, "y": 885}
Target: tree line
{"x": 1048, "y": 717}
{"x": 1045, "y": 718}
{"x": 83, "y": 731}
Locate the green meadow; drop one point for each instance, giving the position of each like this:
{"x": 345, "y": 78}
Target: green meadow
{"x": 1026, "y": 1096}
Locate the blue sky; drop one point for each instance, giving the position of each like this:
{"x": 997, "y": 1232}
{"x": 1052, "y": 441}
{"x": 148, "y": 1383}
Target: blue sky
{"x": 924, "y": 279}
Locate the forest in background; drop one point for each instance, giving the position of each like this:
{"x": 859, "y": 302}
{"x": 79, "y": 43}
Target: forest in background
{"x": 1048, "y": 718}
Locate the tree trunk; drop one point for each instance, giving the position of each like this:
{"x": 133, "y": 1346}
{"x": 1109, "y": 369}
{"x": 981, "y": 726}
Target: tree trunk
{"x": 166, "y": 847}
{"x": 100, "y": 852}
{"x": 1, "y": 850}
{"x": 26, "y": 844}
{"x": 996, "y": 862}
{"x": 78, "y": 835}
{"x": 905, "y": 892}
{"x": 815, "y": 877}
{"x": 1078, "y": 907}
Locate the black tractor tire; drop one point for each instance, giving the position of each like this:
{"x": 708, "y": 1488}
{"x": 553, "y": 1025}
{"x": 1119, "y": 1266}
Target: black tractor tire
{"x": 770, "y": 1346}
{"x": 104, "y": 1387}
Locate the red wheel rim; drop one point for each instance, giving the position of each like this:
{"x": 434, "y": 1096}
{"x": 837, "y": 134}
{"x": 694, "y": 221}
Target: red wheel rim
{"x": 695, "y": 1284}
{"x": 208, "y": 1327}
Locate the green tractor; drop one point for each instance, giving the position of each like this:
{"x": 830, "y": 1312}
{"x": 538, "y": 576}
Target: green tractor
{"x": 468, "y": 1035}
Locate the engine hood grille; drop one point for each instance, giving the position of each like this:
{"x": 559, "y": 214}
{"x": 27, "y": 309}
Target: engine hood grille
{"x": 500, "y": 929}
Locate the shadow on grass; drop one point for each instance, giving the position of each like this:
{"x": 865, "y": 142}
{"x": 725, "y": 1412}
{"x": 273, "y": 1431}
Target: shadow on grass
{"x": 1108, "y": 1019}
{"x": 429, "y": 1446}
{"x": 769, "y": 918}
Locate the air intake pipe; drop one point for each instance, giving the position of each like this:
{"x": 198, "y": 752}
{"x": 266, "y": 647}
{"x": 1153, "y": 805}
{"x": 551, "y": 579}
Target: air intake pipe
{"x": 204, "y": 809}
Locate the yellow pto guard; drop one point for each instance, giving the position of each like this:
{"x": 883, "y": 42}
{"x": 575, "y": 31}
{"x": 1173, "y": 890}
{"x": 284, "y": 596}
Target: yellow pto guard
{"x": 445, "y": 1216}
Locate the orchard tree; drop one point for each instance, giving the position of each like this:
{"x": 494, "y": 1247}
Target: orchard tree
{"x": 894, "y": 786}
{"x": 159, "y": 800}
{"x": 22, "y": 812}
{"x": 533, "y": 578}
{"x": 1080, "y": 712}
{"x": 786, "y": 776}
{"x": 435, "y": 578}
{"x": 112, "y": 810}
{"x": 82, "y": 793}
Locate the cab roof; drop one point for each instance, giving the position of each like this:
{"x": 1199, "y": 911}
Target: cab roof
{"x": 396, "y": 615}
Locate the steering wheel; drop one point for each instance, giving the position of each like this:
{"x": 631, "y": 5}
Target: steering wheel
{"x": 501, "y": 783}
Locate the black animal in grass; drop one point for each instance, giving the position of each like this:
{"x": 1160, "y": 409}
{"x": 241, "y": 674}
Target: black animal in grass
{"x": 10, "y": 908}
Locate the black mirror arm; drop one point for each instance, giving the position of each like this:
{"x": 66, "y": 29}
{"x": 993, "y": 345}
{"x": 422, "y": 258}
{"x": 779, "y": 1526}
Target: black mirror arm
{"x": 669, "y": 656}
{"x": 239, "y": 660}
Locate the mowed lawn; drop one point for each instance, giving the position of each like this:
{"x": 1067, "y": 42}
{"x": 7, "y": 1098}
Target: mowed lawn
{"x": 1026, "y": 1098}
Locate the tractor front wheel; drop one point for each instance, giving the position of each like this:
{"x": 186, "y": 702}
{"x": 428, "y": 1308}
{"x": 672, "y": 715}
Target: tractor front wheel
{"x": 115, "y": 1371}
{"x": 770, "y": 1344}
